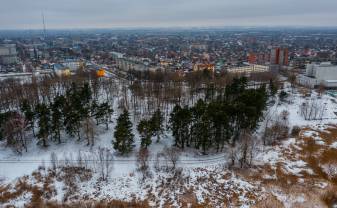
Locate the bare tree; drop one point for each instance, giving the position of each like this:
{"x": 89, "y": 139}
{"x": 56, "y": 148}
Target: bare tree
{"x": 292, "y": 79}
{"x": 312, "y": 110}
{"x": 105, "y": 161}
{"x": 89, "y": 130}
{"x": 54, "y": 161}
{"x": 277, "y": 130}
{"x": 14, "y": 132}
{"x": 143, "y": 162}
{"x": 321, "y": 89}
{"x": 172, "y": 155}
{"x": 233, "y": 155}
{"x": 284, "y": 116}
{"x": 246, "y": 148}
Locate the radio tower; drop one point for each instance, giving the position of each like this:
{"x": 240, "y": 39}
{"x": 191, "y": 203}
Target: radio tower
{"x": 44, "y": 26}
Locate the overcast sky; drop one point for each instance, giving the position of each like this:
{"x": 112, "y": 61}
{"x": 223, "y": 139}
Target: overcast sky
{"x": 27, "y": 14}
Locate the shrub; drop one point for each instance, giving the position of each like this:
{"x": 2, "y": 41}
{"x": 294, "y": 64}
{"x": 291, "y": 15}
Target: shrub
{"x": 295, "y": 131}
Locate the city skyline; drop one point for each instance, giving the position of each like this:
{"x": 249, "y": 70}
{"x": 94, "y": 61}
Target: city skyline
{"x": 76, "y": 14}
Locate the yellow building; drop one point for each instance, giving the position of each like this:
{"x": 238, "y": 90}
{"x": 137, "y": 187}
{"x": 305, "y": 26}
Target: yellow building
{"x": 100, "y": 73}
{"x": 198, "y": 67}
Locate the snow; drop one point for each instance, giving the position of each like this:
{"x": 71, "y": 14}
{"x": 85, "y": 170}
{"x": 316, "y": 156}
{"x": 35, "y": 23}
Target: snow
{"x": 314, "y": 134}
{"x": 334, "y": 145}
{"x": 22, "y": 200}
{"x": 321, "y": 185}
{"x": 295, "y": 167}
{"x": 270, "y": 156}
{"x": 295, "y": 100}
{"x": 59, "y": 190}
{"x": 320, "y": 142}
{"x": 288, "y": 201}
{"x": 310, "y": 133}
{"x": 287, "y": 143}
{"x": 330, "y": 170}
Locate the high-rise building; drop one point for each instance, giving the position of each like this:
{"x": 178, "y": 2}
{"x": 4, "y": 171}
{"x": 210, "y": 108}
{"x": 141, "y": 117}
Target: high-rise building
{"x": 259, "y": 58}
{"x": 279, "y": 56}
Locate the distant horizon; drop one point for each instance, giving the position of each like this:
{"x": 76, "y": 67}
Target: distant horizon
{"x": 174, "y": 27}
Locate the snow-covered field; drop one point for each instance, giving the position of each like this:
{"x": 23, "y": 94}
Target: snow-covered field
{"x": 205, "y": 179}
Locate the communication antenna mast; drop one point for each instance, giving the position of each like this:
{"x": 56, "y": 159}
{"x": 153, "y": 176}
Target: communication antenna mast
{"x": 44, "y": 26}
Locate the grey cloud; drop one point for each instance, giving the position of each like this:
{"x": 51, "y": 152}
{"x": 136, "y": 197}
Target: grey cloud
{"x": 109, "y": 13}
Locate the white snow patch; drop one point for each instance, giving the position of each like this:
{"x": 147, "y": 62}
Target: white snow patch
{"x": 334, "y": 145}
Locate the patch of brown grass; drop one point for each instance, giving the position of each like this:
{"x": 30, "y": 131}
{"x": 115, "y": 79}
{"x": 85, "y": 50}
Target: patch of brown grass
{"x": 92, "y": 204}
{"x": 8, "y": 193}
{"x": 305, "y": 184}
{"x": 330, "y": 136}
{"x": 268, "y": 202}
{"x": 330, "y": 197}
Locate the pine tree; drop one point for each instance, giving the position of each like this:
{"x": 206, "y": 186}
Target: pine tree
{"x": 86, "y": 94}
{"x": 124, "y": 137}
{"x": 29, "y": 114}
{"x": 156, "y": 121}
{"x": 205, "y": 133}
{"x": 207, "y": 125}
{"x": 56, "y": 117}
{"x": 197, "y": 112}
{"x": 83, "y": 99}
{"x": 103, "y": 113}
{"x": 218, "y": 122}
{"x": 146, "y": 131}
{"x": 180, "y": 121}
{"x": 43, "y": 115}
{"x": 272, "y": 87}
{"x": 74, "y": 112}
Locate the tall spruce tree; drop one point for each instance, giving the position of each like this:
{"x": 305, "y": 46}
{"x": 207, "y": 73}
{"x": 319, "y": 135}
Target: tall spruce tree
{"x": 124, "y": 137}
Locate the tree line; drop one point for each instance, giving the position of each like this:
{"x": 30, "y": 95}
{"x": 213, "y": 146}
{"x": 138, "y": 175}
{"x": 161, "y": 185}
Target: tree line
{"x": 76, "y": 107}
{"x": 223, "y": 119}
{"x": 210, "y": 123}
{"x": 76, "y": 112}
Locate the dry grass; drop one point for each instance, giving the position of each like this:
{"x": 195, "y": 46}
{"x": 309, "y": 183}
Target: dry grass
{"x": 330, "y": 197}
{"x": 91, "y": 204}
{"x": 41, "y": 194}
{"x": 305, "y": 185}
{"x": 8, "y": 193}
{"x": 268, "y": 202}
{"x": 330, "y": 135}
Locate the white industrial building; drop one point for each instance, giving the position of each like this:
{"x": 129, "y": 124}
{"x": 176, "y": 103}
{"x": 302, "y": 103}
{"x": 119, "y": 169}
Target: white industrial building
{"x": 319, "y": 73}
{"x": 248, "y": 69}
{"x": 72, "y": 64}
